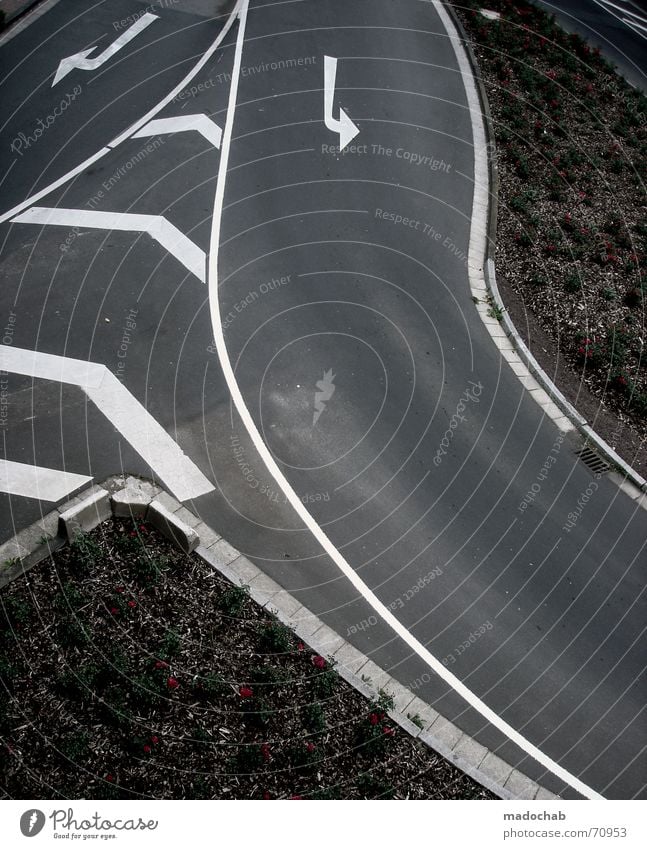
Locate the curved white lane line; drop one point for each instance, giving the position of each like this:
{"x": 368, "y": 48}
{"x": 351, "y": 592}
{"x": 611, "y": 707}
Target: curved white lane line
{"x": 30, "y": 201}
{"x": 294, "y": 500}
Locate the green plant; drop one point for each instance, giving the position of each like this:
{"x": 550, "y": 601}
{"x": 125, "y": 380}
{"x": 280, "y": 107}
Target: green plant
{"x": 275, "y": 637}
{"x": 416, "y": 719}
{"x": 314, "y": 718}
{"x": 370, "y": 787}
{"x": 573, "y": 283}
{"x": 233, "y": 599}
{"x": 84, "y": 552}
{"x": 608, "y": 294}
{"x": 495, "y": 311}
{"x": 170, "y": 645}
{"x": 247, "y": 760}
{"x": 211, "y": 686}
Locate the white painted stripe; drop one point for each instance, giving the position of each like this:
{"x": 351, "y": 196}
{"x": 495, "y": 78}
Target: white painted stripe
{"x": 50, "y": 367}
{"x": 296, "y": 503}
{"x": 165, "y": 457}
{"x": 38, "y": 482}
{"x": 157, "y": 227}
{"x": 126, "y": 135}
{"x": 182, "y": 124}
{"x": 149, "y": 438}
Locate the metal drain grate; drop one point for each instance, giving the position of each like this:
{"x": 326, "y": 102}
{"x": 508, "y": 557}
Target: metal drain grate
{"x": 593, "y": 460}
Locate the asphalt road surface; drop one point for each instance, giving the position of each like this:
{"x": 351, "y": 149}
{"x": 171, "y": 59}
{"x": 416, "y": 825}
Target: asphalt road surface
{"x": 343, "y": 294}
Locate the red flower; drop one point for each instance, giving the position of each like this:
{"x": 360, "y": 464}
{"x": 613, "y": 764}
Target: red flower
{"x": 300, "y": 647}
{"x": 133, "y": 534}
{"x": 266, "y": 795}
{"x": 132, "y": 604}
{"x": 318, "y": 661}
{"x": 388, "y": 731}
{"x": 147, "y": 749}
{"x": 155, "y": 739}
{"x": 245, "y": 692}
{"x": 310, "y": 747}
{"x": 552, "y": 75}
{"x": 114, "y": 610}
{"x": 110, "y": 777}
{"x": 373, "y": 719}
{"x": 161, "y": 664}
{"x": 172, "y": 683}
{"x": 568, "y": 217}
{"x": 143, "y": 529}
{"x": 265, "y": 751}
{"x": 119, "y": 589}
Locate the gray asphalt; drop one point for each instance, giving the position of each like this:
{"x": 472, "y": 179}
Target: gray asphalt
{"x": 544, "y": 622}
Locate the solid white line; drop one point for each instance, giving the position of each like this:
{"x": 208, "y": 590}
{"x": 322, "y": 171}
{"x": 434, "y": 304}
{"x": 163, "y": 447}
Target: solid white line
{"x": 158, "y": 228}
{"x": 37, "y": 481}
{"x": 292, "y": 497}
{"x": 128, "y": 133}
{"x": 198, "y": 123}
{"x": 177, "y": 471}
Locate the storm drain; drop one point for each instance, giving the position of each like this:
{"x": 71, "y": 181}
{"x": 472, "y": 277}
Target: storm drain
{"x": 593, "y": 460}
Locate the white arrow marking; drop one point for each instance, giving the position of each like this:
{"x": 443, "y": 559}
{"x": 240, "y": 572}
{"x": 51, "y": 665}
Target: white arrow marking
{"x": 342, "y": 125}
{"x": 184, "y": 123}
{"x": 81, "y": 61}
{"x": 165, "y": 457}
{"x": 158, "y": 228}
{"x": 37, "y": 481}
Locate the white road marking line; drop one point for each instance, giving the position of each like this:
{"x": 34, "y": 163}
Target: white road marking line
{"x": 133, "y": 128}
{"x": 133, "y": 421}
{"x": 343, "y": 125}
{"x": 80, "y": 60}
{"x": 198, "y": 123}
{"x": 158, "y": 228}
{"x": 420, "y": 650}
{"x": 38, "y": 481}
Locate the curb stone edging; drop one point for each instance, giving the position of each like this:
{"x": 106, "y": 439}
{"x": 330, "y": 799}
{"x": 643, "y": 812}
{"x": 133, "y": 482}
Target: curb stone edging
{"x": 634, "y": 484}
{"x": 126, "y": 495}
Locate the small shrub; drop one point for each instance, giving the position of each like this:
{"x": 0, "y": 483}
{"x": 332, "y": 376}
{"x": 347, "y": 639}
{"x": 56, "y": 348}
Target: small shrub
{"x": 275, "y": 637}
{"x": 170, "y": 645}
{"x": 84, "y": 552}
{"x": 314, "y": 718}
{"x": 247, "y": 760}
{"x": 233, "y": 600}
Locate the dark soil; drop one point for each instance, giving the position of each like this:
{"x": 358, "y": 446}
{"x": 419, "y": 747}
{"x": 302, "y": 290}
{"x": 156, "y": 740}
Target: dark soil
{"x": 571, "y": 239}
{"x": 130, "y": 670}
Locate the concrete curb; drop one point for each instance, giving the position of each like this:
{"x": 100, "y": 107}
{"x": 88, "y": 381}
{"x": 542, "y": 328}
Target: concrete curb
{"x": 129, "y": 496}
{"x": 550, "y": 398}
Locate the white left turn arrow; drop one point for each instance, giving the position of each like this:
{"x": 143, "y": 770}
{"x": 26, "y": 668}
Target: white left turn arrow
{"x": 80, "y": 60}
{"x": 342, "y": 125}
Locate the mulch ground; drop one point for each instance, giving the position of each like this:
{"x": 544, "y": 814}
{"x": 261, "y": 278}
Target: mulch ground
{"x": 571, "y": 140}
{"x": 130, "y": 670}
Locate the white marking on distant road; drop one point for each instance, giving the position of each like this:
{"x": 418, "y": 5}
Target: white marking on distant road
{"x": 128, "y": 133}
{"x": 37, "y": 481}
{"x": 342, "y": 125}
{"x": 165, "y": 457}
{"x": 184, "y": 123}
{"x": 157, "y": 227}
{"x": 80, "y": 60}
{"x": 636, "y": 22}
{"x": 239, "y": 402}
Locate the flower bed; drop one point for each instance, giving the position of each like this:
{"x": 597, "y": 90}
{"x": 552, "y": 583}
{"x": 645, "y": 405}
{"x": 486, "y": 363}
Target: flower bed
{"x": 130, "y": 670}
{"x": 571, "y": 140}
